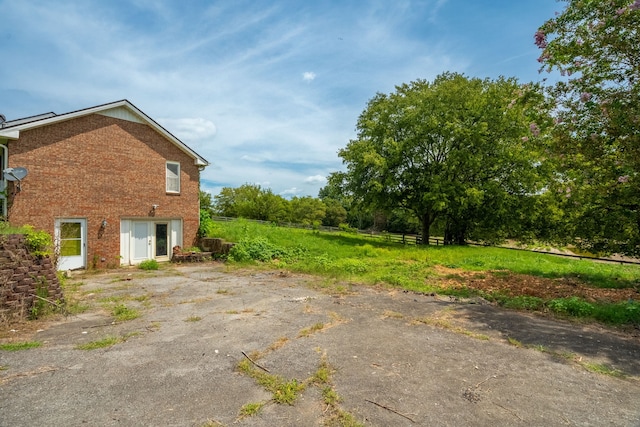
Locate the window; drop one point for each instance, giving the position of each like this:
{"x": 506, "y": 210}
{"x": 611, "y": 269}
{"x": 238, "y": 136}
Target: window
{"x": 173, "y": 177}
{"x": 70, "y": 239}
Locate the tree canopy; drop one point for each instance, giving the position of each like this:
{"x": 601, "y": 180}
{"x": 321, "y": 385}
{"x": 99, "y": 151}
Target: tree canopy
{"x": 595, "y": 45}
{"x": 251, "y": 201}
{"x": 460, "y": 149}
{"x": 254, "y": 202}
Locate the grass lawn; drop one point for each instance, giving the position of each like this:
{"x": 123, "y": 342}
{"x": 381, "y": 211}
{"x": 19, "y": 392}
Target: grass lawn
{"x": 606, "y": 292}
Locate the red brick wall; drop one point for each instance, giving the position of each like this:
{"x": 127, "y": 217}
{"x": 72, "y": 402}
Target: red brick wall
{"x": 98, "y": 167}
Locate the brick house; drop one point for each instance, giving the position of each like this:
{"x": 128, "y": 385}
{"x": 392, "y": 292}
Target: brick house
{"x": 110, "y": 184}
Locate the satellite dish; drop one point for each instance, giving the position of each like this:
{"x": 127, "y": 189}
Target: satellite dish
{"x": 2, "y": 118}
{"x": 15, "y": 174}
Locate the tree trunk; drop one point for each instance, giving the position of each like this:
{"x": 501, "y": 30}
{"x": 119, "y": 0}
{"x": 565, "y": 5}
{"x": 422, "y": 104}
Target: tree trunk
{"x": 426, "y": 219}
{"x": 455, "y": 232}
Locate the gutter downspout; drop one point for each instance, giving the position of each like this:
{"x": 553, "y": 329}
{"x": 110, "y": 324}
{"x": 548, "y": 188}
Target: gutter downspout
{"x": 3, "y": 181}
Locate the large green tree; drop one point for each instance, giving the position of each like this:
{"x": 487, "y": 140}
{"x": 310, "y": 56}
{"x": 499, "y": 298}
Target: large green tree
{"x": 595, "y": 45}
{"x": 462, "y": 149}
{"x": 251, "y": 201}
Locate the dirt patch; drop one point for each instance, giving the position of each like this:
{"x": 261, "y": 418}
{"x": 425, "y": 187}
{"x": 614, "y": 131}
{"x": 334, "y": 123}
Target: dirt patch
{"x": 378, "y": 357}
{"x": 512, "y": 284}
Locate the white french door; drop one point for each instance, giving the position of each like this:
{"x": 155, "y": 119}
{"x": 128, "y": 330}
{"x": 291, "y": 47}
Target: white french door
{"x": 149, "y": 240}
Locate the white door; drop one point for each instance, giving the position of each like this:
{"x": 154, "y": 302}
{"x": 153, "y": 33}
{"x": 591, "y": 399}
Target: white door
{"x": 71, "y": 238}
{"x": 140, "y": 241}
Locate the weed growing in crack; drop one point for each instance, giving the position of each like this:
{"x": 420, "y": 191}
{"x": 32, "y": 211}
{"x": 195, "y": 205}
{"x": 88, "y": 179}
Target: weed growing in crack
{"x": 443, "y": 322}
{"x": 251, "y": 409}
{"x": 286, "y": 392}
{"x": 212, "y": 423}
{"x": 105, "y": 342}
{"x": 334, "y": 415}
{"x": 392, "y": 314}
{"x": 283, "y": 391}
{"x": 17, "y": 346}
{"x": 278, "y": 344}
{"x": 330, "y": 396}
{"x": 603, "y": 369}
{"x": 312, "y": 329}
{"x": 514, "y": 342}
{"x": 322, "y": 374}
{"x": 122, "y": 313}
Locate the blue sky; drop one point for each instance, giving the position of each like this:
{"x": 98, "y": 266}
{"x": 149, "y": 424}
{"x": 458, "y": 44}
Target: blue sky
{"x": 267, "y": 91}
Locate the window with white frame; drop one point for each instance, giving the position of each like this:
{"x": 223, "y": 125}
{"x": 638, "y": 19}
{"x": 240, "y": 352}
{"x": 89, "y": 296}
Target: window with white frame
{"x": 173, "y": 177}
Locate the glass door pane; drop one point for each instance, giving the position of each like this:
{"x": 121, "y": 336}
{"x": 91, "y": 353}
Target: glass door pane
{"x": 70, "y": 239}
{"x": 162, "y": 240}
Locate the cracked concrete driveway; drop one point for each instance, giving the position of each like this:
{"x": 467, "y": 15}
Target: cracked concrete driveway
{"x": 395, "y": 358}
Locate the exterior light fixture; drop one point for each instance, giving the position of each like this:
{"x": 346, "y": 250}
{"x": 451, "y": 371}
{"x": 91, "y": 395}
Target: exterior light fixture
{"x": 103, "y": 224}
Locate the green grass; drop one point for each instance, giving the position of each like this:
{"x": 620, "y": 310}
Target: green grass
{"x": 603, "y": 369}
{"x": 18, "y": 346}
{"x": 123, "y": 313}
{"x": 345, "y": 255}
{"x": 347, "y": 258}
{"x": 251, "y": 409}
{"x": 283, "y": 391}
{"x": 101, "y": 343}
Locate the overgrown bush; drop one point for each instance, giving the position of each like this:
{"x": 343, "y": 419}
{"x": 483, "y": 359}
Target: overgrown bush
{"x": 261, "y": 249}
{"x": 39, "y": 242}
{"x": 207, "y": 225}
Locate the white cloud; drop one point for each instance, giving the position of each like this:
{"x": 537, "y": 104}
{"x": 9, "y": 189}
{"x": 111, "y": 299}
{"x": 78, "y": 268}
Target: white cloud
{"x": 190, "y": 129}
{"x": 315, "y": 179}
{"x": 290, "y": 192}
{"x": 308, "y": 76}
{"x": 251, "y": 158}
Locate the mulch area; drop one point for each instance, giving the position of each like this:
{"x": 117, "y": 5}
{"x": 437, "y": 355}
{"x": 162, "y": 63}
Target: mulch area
{"x": 512, "y": 284}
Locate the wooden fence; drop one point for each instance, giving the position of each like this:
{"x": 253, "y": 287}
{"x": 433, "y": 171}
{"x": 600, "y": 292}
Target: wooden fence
{"x": 405, "y": 239}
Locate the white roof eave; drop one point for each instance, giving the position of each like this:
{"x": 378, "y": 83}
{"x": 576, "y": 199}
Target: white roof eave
{"x": 10, "y": 134}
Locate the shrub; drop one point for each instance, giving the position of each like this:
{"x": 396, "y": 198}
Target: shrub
{"x": 207, "y": 225}
{"x": 149, "y": 264}
{"x": 347, "y": 228}
{"x": 261, "y": 249}
{"x": 619, "y": 313}
{"x": 573, "y": 306}
{"x": 39, "y": 242}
